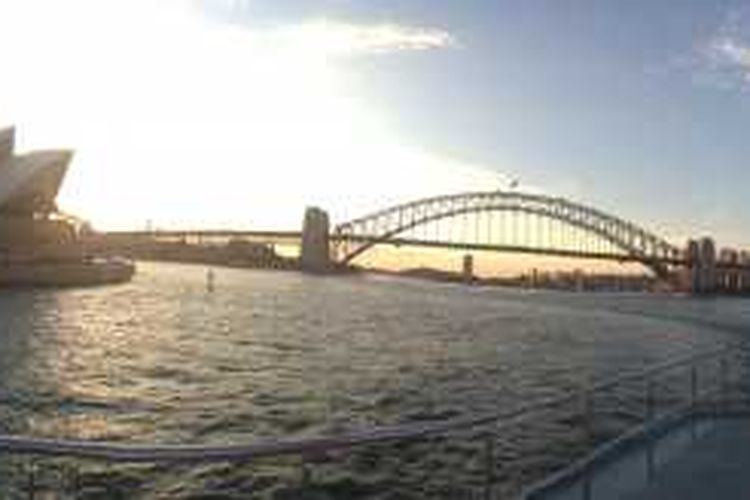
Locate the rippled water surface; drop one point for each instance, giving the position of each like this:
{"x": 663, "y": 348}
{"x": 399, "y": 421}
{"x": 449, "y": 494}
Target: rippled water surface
{"x": 283, "y": 354}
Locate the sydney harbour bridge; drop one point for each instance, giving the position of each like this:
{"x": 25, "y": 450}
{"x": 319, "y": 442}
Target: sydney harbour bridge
{"x": 507, "y": 221}
{"x": 511, "y": 221}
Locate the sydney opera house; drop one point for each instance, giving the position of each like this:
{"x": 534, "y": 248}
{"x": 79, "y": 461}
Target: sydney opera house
{"x": 39, "y": 246}
{"x": 29, "y": 184}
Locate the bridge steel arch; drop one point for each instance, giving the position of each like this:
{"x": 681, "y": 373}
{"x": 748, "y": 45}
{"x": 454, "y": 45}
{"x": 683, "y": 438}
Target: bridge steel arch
{"x": 355, "y": 237}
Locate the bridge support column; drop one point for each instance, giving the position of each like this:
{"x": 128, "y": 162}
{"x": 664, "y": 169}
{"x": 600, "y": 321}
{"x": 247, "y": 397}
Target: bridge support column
{"x": 315, "y": 255}
{"x": 702, "y": 266}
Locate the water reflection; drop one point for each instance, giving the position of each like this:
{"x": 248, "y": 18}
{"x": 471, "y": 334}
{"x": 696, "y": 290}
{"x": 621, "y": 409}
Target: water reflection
{"x": 270, "y": 354}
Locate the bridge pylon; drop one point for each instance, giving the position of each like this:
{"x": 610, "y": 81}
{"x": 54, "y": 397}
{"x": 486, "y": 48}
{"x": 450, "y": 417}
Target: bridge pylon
{"x": 315, "y": 254}
{"x": 701, "y": 264}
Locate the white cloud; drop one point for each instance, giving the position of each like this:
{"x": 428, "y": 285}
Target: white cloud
{"x": 344, "y": 38}
{"x": 732, "y": 55}
{"x": 332, "y": 35}
{"x": 722, "y": 60}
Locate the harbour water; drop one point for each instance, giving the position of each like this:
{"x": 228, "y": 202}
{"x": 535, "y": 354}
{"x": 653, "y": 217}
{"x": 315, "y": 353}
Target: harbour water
{"x": 268, "y": 354}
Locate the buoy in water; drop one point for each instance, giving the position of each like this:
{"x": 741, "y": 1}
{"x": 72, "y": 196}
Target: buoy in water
{"x": 210, "y": 278}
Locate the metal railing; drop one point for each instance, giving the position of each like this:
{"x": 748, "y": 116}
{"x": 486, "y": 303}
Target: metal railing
{"x": 486, "y": 456}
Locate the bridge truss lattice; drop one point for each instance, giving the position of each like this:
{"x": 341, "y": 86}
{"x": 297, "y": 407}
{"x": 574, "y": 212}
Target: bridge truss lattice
{"x": 506, "y": 221}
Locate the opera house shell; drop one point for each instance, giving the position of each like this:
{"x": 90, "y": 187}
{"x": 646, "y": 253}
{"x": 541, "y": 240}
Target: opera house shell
{"x": 29, "y": 184}
{"x": 38, "y": 245}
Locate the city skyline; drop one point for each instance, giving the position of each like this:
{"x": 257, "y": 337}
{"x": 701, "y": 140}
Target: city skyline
{"x": 241, "y": 113}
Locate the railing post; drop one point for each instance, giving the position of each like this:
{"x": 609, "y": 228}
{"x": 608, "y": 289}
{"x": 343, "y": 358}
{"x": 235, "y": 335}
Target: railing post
{"x": 31, "y": 479}
{"x": 587, "y": 486}
{"x": 650, "y": 463}
{"x": 489, "y": 457}
{"x": 693, "y": 398}
{"x": 588, "y": 425}
{"x": 693, "y": 386}
{"x": 76, "y": 486}
{"x": 723, "y": 394}
{"x": 739, "y": 377}
{"x": 306, "y": 474}
{"x": 108, "y": 478}
{"x": 587, "y": 404}
{"x": 649, "y": 417}
{"x": 650, "y": 400}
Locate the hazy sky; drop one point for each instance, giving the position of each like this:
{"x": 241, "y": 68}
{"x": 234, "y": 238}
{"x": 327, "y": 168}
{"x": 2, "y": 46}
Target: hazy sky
{"x": 240, "y": 113}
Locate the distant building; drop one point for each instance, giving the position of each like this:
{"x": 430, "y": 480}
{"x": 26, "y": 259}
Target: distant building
{"x": 729, "y": 277}
{"x": 744, "y": 259}
{"x": 702, "y": 269}
{"x": 708, "y": 264}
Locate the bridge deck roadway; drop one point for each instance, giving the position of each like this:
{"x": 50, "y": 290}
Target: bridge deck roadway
{"x": 491, "y": 247}
{"x": 289, "y": 236}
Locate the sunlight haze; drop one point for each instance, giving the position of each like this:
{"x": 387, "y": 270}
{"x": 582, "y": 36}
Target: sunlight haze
{"x": 218, "y": 113}
{"x": 180, "y": 120}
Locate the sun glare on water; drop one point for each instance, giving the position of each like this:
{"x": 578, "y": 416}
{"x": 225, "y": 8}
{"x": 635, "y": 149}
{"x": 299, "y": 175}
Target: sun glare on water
{"x": 183, "y": 121}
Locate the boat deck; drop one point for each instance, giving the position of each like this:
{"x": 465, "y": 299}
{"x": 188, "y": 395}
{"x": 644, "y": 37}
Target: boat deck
{"x": 714, "y": 465}
{"x": 701, "y": 457}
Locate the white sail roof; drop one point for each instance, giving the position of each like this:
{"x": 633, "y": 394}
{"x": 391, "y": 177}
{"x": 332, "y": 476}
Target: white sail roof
{"x": 29, "y": 183}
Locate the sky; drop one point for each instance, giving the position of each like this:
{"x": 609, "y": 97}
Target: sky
{"x": 239, "y": 113}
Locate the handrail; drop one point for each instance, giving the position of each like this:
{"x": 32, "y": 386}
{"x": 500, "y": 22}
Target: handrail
{"x": 582, "y": 466}
{"x": 118, "y": 452}
{"x": 650, "y": 430}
